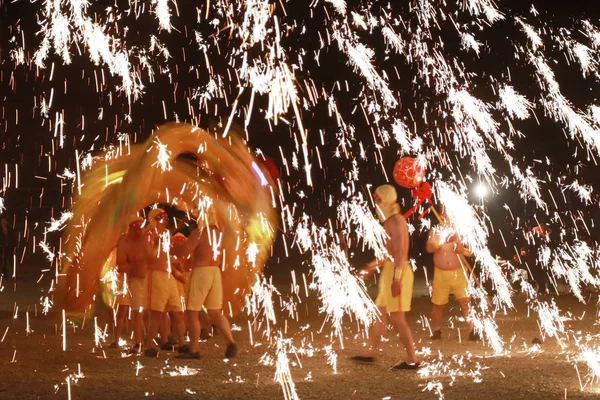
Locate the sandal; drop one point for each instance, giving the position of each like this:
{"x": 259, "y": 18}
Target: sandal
{"x": 184, "y": 348}
{"x": 403, "y": 365}
{"x": 231, "y": 350}
{"x": 167, "y": 346}
{"x": 151, "y": 352}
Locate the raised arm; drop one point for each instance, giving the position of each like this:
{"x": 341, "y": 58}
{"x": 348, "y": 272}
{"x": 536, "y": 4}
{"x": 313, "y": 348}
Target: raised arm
{"x": 433, "y": 241}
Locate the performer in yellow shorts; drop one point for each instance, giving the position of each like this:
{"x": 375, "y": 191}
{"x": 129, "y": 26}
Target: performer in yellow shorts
{"x": 163, "y": 295}
{"x": 449, "y": 275}
{"x": 396, "y": 281}
{"x": 182, "y": 271}
{"x": 206, "y": 287}
{"x": 132, "y": 258}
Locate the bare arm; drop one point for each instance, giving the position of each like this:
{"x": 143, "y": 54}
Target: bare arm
{"x": 399, "y": 242}
{"x": 433, "y": 242}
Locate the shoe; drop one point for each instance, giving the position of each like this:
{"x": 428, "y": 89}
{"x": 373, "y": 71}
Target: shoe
{"x": 167, "y": 346}
{"x": 114, "y": 345}
{"x": 363, "y": 359}
{"x": 231, "y": 350}
{"x": 403, "y": 365}
{"x": 204, "y": 335}
{"x": 474, "y": 336}
{"x": 184, "y": 348}
{"x": 437, "y": 335}
{"x": 136, "y": 349}
{"x": 189, "y": 356}
{"x": 151, "y": 352}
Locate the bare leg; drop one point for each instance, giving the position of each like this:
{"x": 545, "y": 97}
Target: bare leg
{"x": 398, "y": 319}
{"x": 194, "y": 328}
{"x": 465, "y": 304}
{"x": 179, "y": 324}
{"x": 120, "y": 321}
{"x": 164, "y": 328}
{"x": 377, "y": 332}
{"x": 138, "y": 327}
{"x": 217, "y": 317}
{"x": 205, "y": 320}
{"x": 155, "y": 320}
{"x": 437, "y": 313}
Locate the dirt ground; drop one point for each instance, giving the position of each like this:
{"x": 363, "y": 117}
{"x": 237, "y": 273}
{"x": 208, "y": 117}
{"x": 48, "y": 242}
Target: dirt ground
{"x": 34, "y": 366}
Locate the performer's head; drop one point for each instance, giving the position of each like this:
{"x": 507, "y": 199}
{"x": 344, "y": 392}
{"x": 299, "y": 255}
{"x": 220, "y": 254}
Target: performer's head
{"x": 385, "y": 198}
{"x": 135, "y": 225}
{"x": 178, "y": 239}
{"x": 157, "y": 217}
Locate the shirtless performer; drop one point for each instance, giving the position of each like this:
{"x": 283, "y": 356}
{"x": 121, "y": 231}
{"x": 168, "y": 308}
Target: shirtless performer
{"x": 132, "y": 257}
{"x": 181, "y": 270}
{"x": 395, "y": 282}
{"x": 205, "y": 285}
{"x": 163, "y": 295}
{"x": 449, "y": 275}
{"x": 122, "y": 296}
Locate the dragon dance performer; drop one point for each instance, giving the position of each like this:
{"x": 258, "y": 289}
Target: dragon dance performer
{"x": 132, "y": 261}
{"x": 163, "y": 294}
{"x": 396, "y": 280}
{"x": 121, "y": 305}
{"x": 205, "y": 284}
{"x": 181, "y": 271}
{"x": 449, "y": 275}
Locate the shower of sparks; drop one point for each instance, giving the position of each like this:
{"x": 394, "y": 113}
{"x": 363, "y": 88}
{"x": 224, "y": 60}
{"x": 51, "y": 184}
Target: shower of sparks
{"x": 467, "y": 123}
{"x": 282, "y": 373}
{"x": 184, "y": 371}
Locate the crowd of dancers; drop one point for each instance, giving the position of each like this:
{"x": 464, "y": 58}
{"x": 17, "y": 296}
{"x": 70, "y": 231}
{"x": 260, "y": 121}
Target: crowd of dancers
{"x": 169, "y": 285}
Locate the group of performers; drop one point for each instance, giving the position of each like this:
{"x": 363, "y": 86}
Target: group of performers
{"x": 168, "y": 280}
{"x": 397, "y": 278}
